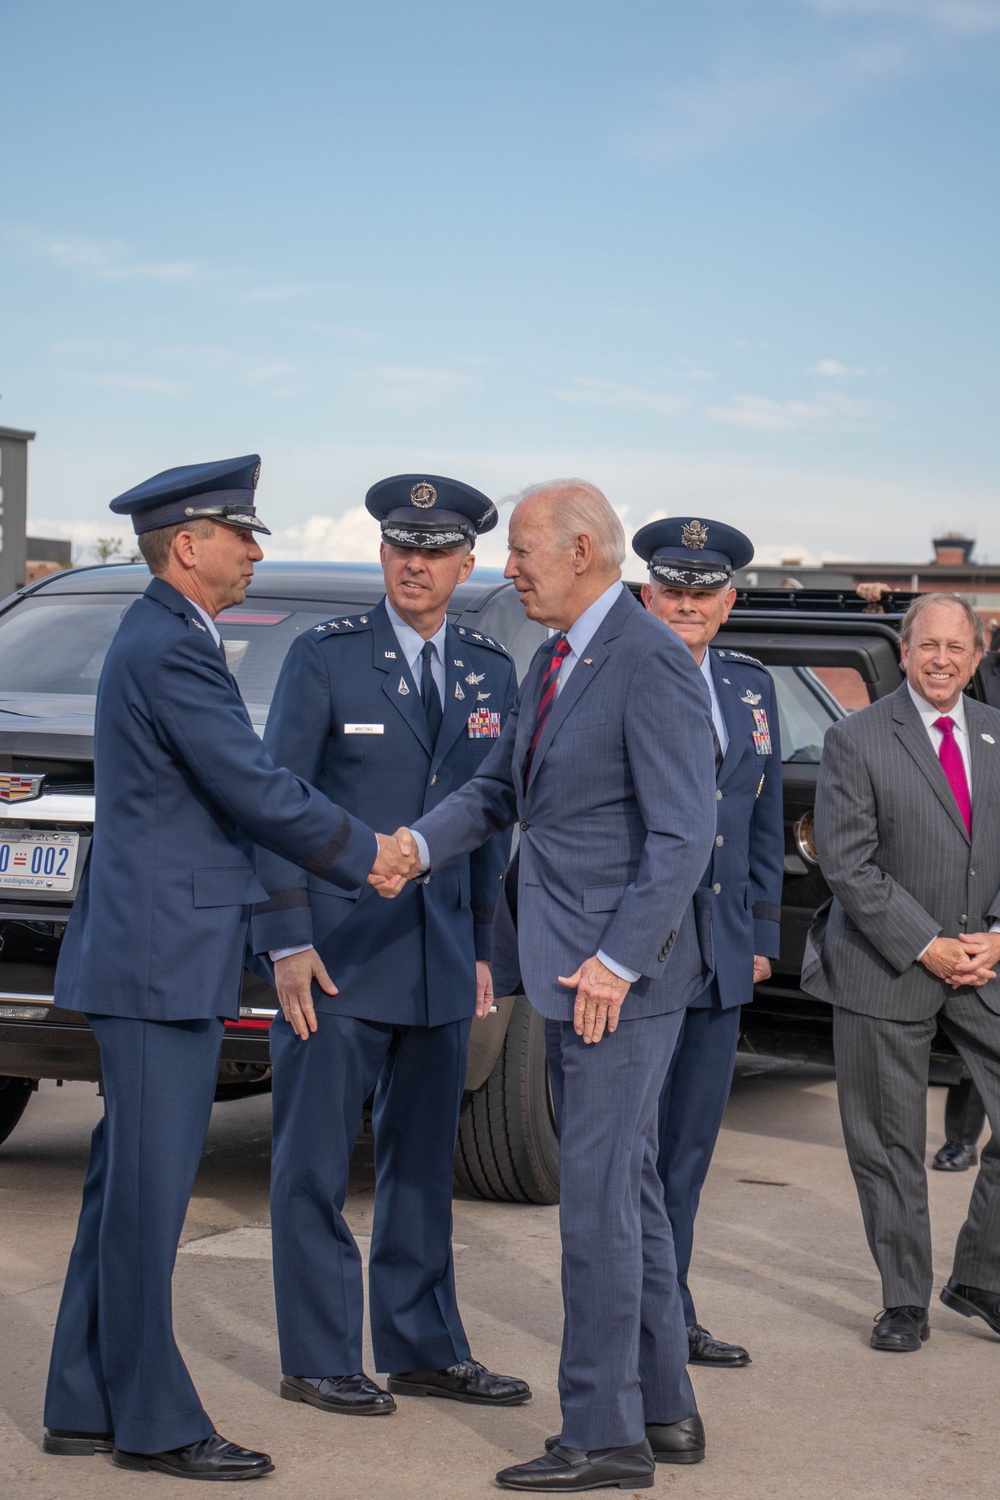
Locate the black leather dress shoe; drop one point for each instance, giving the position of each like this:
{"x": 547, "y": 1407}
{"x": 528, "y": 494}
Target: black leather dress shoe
{"x": 350, "y": 1395}
{"x": 77, "y": 1444}
{"x": 899, "y": 1330}
{"x": 211, "y": 1458}
{"x": 468, "y": 1381}
{"x": 564, "y": 1471}
{"x": 954, "y": 1157}
{"x": 704, "y": 1350}
{"x": 972, "y": 1302}
{"x": 680, "y": 1442}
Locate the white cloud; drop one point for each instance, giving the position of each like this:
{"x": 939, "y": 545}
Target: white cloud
{"x": 591, "y": 392}
{"x": 762, "y": 414}
{"x": 833, "y": 369}
{"x": 967, "y": 16}
{"x": 265, "y": 374}
{"x": 113, "y": 262}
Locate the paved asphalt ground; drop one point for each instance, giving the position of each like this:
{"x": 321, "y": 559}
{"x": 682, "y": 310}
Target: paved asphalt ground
{"x": 781, "y": 1265}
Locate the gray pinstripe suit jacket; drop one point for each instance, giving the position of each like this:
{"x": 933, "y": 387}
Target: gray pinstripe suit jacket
{"x": 895, "y": 854}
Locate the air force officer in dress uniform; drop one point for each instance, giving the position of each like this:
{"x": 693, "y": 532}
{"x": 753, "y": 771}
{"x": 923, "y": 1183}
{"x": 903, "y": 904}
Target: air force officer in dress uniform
{"x": 153, "y": 955}
{"x": 386, "y": 712}
{"x": 607, "y": 764}
{"x": 691, "y": 565}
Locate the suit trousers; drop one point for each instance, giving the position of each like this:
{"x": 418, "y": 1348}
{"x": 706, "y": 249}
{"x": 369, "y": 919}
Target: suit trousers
{"x": 624, "y": 1349}
{"x": 882, "y": 1088}
{"x": 115, "y": 1366}
{"x": 692, "y": 1104}
{"x": 319, "y": 1091}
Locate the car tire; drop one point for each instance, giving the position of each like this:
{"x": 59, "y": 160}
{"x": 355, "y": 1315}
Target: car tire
{"x": 14, "y": 1096}
{"x": 507, "y": 1148}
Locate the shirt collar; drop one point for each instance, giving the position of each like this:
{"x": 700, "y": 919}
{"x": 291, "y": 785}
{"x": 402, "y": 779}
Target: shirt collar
{"x": 929, "y": 713}
{"x": 411, "y": 642}
{"x": 583, "y": 628}
{"x": 216, "y": 637}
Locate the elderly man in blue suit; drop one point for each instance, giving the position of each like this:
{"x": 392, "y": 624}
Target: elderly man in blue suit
{"x": 386, "y": 712}
{"x": 691, "y": 564}
{"x": 606, "y": 765}
{"x": 153, "y": 955}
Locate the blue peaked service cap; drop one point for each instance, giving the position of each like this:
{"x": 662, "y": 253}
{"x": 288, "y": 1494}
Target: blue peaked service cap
{"x": 221, "y": 491}
{"x": 427, "y": 510}
{"x": 693, "y": 553}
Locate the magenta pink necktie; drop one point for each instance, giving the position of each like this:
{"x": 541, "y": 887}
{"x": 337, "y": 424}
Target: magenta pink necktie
{"x": 954, "y": 769}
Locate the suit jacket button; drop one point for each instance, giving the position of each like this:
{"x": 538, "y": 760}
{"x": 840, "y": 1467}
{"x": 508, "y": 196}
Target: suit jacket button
{"x": 972, "y": 872}
{"x": 719, "y": 841}
{"x": 717, "y": 889}
{"x": 963, "y": 917}
{"x": 525, "y": 826}
{"x": 434, "y": 779}
{"x": 718, "y": 795}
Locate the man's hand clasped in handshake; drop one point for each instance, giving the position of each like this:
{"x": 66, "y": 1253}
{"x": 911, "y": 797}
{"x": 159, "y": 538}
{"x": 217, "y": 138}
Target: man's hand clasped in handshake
{"x": 397, "y": 862}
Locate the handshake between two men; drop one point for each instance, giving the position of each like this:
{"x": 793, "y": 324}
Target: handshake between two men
{"x": 396, "y": 863}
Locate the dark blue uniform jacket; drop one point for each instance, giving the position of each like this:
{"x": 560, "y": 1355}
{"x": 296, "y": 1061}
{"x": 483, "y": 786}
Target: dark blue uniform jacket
{"x": 184, "y": 790}
{"x": 347, "y": 716}
{"x": 747, "y": 865}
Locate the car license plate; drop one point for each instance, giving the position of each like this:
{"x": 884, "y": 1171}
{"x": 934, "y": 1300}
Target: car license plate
{"x": 38, "y": 861}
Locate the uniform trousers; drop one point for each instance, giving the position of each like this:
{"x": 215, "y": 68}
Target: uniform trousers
{"x": 882, "y": 1088}
{"x": 319, "y": 1092}
{"x": 692, "y": 1104}
{"x": 115, "y": 1366}
{"x": 624, "y": 1349}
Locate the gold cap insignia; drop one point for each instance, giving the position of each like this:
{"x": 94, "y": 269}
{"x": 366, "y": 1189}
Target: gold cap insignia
{"x": 694, "y": 535}
{"x": 423, "y": 495}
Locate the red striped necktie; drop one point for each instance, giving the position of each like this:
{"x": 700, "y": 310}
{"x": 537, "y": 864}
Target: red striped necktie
{"x": 954, "y": 768}
{"x": 546, "y": 699}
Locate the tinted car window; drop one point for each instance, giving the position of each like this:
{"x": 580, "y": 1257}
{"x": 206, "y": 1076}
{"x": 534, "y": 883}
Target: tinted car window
{"x": 806, "y": 709}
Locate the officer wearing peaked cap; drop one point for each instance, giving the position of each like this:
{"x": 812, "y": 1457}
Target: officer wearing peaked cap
{"x": 153, "y": 956}
{"x": 691, "y": 564}
{"x": 386, "y": 712}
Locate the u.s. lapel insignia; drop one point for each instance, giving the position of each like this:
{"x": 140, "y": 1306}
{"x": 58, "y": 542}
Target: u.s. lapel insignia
{"x": 403, "y": 690}
{"x": 475, "y": 678}
{"x": 459, "y": 663}
{"x": 458, "y": 692}
{"x": 988, "y": 738}
{"x": 752, "y": 698}
{"x": 390, "y": 656}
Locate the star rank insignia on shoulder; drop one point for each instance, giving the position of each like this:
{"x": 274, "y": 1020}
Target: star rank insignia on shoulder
{"x": 476, "y": 637}
{"x": 339, "y": 625}
{"x": 729, "y": 655}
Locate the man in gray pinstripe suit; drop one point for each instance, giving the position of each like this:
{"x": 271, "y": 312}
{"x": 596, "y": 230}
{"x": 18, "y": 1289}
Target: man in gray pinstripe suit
{"x": 908, "y": 832}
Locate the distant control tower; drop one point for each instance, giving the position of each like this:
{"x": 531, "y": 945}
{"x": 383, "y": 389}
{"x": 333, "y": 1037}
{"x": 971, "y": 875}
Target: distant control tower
{"x": 13, "y": 507}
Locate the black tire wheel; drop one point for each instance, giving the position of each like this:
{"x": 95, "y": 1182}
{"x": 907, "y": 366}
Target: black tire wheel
{"x": 14, "y": 1096}
{"x": 507, "y": 1145}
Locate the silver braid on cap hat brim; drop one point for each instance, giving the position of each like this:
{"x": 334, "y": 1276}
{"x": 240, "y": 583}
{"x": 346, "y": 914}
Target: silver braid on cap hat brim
{"x": 690, "y": 578}
{"x": 404, "y": 538}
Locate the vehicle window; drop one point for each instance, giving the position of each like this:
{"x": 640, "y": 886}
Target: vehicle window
{"x": 58, "y": 645}
{"x": 806, "y": 709}
{"x": 846, "y": 684}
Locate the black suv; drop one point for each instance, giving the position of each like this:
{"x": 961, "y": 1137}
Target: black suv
{"x": 827, "y": 656}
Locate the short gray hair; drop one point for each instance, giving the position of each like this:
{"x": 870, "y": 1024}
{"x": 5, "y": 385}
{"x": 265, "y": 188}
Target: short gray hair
{"x": 581, "y": 507}
{"x": 960, "y": 602}
{"x": 155, "y": 545}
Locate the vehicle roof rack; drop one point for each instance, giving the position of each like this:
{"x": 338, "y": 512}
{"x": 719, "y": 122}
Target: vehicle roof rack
{"x": 821, "y": 601}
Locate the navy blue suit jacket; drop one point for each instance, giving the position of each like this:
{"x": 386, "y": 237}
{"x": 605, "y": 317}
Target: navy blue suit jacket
{"x": 748, "y": 864}
{"x": 616, "y": 822}
{"x": 347, "y": 716}
{"x": 184, "y": 790}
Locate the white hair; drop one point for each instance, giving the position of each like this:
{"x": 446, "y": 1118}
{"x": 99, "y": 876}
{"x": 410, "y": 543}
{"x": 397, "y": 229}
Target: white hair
{"x": 580, "y": 507}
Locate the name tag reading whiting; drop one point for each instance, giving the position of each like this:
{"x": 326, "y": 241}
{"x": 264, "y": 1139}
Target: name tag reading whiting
{"x": 364, "y": 729}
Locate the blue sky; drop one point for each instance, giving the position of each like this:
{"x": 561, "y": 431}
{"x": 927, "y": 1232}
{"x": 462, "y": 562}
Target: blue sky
{"x": 731, "y": 257}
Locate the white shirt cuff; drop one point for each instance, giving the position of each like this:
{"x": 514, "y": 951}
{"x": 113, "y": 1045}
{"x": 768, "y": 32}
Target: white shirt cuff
{"x": 616, "y": 968}
{"x": 275, "y": 953}
{"x": 422, "y": 850}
